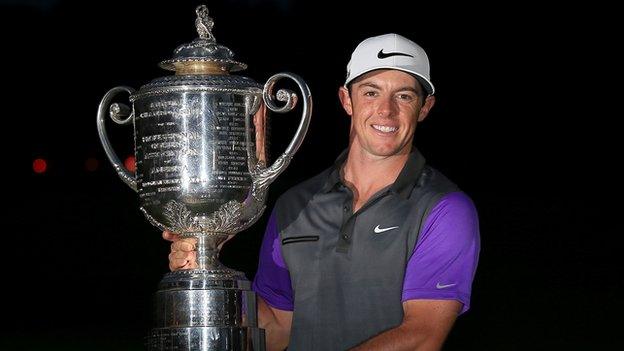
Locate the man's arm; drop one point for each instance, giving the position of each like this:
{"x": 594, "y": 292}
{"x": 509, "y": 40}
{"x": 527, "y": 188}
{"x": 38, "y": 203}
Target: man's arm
{"x": 448, "y": 246}
{"x": 276, "y": 324}
{"x": 273, "y": 290}
{"x": 426, "y": 323}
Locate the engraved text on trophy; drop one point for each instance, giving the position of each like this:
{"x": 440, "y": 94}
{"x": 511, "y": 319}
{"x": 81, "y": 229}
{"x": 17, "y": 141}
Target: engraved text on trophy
{"x": 192, "y": 149}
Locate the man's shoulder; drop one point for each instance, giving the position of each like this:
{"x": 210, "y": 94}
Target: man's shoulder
{"x": 435, "y": 182}
{"x": 294, "y": 201}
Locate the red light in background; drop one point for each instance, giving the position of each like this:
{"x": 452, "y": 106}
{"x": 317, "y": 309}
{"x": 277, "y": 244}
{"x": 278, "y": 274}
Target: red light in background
{"x": 130, "y": 164}
{"x": 39, "y": 165}
{"x": 92, "y": 164}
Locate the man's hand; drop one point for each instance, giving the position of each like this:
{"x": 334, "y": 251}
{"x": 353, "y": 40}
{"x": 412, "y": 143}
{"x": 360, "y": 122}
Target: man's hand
{"x": 183, "y": 254}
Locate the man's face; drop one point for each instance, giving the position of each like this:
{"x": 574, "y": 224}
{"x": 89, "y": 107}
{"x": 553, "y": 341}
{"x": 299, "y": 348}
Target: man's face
{"x": 385, "y": 106}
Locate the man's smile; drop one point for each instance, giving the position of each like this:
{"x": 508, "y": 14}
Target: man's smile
{"x": 385, "y": 129}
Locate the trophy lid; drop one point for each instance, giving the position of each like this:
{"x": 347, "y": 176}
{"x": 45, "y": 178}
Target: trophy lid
{"x": 203, "y": 55}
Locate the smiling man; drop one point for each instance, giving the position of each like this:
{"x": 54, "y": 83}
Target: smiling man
{"x": 379, "y": 251}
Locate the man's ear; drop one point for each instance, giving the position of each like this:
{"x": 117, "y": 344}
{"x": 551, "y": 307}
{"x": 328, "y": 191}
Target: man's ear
{"x": 424, "y": 110}
{"x": 345, "y": 100}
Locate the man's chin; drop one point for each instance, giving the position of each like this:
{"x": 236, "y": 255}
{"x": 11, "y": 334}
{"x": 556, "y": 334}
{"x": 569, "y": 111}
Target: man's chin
{"x": 384, "y": 152}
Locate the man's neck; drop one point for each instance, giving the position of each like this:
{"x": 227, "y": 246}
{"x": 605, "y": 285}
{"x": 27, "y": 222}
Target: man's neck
{"x": 366, "y": 174}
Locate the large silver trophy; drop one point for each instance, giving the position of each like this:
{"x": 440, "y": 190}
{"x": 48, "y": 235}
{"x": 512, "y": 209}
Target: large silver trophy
{"x": 201, "y": 171}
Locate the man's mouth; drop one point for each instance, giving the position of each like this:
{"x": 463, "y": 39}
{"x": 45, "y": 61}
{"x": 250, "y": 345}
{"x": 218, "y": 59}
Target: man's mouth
{"x": 385, "y": 129}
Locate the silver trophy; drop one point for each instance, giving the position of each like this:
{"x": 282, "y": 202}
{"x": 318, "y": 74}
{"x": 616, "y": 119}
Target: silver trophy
{"x": 201, "y": 171}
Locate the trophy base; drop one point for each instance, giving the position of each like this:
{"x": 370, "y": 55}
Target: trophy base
{"x": 207, "y": 339}
{"x": 206, "y": 310}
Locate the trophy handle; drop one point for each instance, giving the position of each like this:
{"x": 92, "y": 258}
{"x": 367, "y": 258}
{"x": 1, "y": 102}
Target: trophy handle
{"x": 268, "y": 175}
{"x": 117, "y": 113}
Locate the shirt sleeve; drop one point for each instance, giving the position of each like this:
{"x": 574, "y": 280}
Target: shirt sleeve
{"x": 445, "y": 257}
{"x": 272, "y": 280}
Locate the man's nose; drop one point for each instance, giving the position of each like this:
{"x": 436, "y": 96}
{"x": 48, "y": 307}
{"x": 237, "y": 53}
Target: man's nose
{"x": 387, "y": 107}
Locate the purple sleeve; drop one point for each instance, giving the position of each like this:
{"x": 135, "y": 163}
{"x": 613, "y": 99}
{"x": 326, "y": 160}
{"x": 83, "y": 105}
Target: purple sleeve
{"x": 445, "y": 257}
{"x": 272, "y": 281}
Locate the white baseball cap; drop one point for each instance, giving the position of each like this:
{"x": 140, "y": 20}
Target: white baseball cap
{"x": 390, "y": 51}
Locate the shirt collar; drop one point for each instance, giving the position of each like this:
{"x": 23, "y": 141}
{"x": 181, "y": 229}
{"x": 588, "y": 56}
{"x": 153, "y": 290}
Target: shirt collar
{"x": 402, "y": 186}
{"x": 410, "y": 173}
{"x": 334, "y": 179}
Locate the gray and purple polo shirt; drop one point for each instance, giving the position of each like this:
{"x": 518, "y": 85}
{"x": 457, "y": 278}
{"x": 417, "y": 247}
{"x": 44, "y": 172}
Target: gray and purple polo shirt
{"x": 345, "y": 275}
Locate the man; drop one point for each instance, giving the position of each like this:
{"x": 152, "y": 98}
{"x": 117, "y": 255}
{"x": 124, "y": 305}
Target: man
{"x": 379, "y": 251}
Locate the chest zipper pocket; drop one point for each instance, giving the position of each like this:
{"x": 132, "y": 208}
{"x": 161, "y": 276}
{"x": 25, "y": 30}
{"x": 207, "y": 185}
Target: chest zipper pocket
{"x": 299, "y": 239}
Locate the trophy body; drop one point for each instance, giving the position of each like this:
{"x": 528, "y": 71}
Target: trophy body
{"x": 198, "y": 161}
{"x": 200, "y": 148}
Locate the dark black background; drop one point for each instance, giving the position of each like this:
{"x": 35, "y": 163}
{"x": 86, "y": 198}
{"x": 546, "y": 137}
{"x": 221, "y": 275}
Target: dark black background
{"x": 520, "y": 123}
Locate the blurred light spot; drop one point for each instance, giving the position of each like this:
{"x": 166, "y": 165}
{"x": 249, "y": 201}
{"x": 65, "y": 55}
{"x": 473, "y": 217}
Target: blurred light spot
{"x": 130, "y": 164}
{"x": 92, "y": 164}
{"x": 39, "y": 165}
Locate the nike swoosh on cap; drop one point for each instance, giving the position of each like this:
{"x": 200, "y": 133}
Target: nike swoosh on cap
{"x": 381, "y": 230}
{"x": 383, "y": 55}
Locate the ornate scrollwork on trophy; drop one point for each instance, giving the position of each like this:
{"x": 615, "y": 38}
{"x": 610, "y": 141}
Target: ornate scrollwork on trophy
{"x": 263, "y": 176}
{"x": 224, "y": 220}
{"x": 230, "y": 218}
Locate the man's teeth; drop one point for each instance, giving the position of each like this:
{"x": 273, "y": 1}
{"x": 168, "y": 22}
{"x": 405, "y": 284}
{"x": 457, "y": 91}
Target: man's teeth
{"x": 385, "y": 129}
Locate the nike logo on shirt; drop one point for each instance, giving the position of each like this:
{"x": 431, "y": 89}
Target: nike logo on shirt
{"x": 381, "y": 230}
{"x": 444, "y": 286}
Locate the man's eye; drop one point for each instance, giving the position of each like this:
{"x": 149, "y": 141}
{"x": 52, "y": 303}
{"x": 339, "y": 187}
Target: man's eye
{"x": 406, "y": 97}
{"x": 370, "y": 93}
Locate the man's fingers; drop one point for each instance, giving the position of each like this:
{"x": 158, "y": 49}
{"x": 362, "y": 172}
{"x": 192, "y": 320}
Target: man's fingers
{"x": 187, "y": 244}
{"x": 175, "y": 264}
{"x": 182, "y": 260}
{"x": 182, "y": 255}
{"x": 170, "y": 236}
{"x": 192, "y": 264}
{"x": 176, "y": 255}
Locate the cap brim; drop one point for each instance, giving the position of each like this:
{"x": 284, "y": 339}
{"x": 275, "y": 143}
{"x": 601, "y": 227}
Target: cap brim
{"x": 426, "y": 84}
